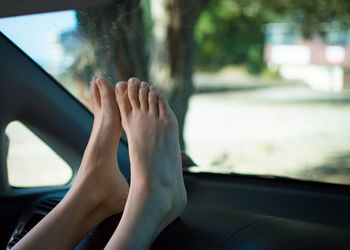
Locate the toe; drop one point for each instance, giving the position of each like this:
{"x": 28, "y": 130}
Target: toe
{"x": 152, "y": 100}
{"x": 120, "y": 88}
{"x": 107, "y": 95}
{"x": 106, "y": 90}
{"x": 95, "y": 99}
{"x": 165, "y": 112}
{"x": 163, "y": 107}
{"x": 122, "y": 98}
{"x": 133, "y": 92}
{"x": 143, "y": 95}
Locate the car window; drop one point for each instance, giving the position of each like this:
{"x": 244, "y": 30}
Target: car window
{"x": 258, "y": 87}
{"x": 30, "y": 162}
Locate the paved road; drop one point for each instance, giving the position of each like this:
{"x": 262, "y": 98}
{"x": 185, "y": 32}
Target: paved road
{"x": 287, "y": 131}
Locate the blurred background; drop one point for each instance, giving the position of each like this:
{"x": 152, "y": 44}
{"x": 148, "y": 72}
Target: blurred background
{"x": 258, "y": 87}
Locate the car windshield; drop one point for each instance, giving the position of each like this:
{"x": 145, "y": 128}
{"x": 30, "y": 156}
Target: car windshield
{"x": 258, "y": 87}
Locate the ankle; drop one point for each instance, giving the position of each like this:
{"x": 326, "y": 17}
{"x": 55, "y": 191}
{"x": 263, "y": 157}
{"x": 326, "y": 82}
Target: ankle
{"x": 81, "y": 194}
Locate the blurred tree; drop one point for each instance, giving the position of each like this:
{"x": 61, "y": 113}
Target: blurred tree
{"x": 231, "y": 31}
{"x": 172, "y": 51}
{"x": 114, "y": 38}
{"x": 311, "y": 14}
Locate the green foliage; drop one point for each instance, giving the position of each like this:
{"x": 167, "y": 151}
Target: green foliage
{"x": 255, "y": 60}
{"x": 271, "y": 74}
{"x": 311, "y": 14}
{"x": 230, "y": 33}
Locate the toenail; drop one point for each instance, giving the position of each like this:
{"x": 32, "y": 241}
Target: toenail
{"x": 99, "y": 79}
{"x": 121, "y": 86}
{"x": 143, "y": 84}
{"x": 135, "y": 79}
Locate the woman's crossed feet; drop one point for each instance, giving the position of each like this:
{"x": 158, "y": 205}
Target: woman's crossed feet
{"x": 157, "y": 193}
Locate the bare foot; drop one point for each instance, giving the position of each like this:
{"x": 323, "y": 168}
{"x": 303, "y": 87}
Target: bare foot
{"x": 99, "y": 177}
{"x": 157, "y": 194}
{"x": 100, "y": 189}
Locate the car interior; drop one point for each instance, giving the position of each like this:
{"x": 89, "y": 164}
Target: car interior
{"x": 224, "y": 211}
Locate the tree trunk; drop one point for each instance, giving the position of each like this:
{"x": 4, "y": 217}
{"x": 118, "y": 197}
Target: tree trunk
{"x": 171, "y": 58}
{"x": 114, "y": 46}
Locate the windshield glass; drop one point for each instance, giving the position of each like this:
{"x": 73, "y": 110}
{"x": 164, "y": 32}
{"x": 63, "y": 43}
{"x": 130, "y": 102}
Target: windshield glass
{"x": 258, "y": 87}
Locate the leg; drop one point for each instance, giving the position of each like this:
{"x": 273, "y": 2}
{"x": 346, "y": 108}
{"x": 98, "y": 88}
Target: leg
{"x": 100, "y": 189}
{"x": 157, "y": 193}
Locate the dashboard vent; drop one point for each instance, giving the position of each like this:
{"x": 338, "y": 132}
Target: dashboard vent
{"x": 34, "y": 219}
{"x": 48, "y": 204}
{"x": 45, "y": 206}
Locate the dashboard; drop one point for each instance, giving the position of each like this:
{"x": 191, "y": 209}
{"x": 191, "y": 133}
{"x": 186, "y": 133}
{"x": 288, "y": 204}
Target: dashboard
{"x": 216, "y": 219}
